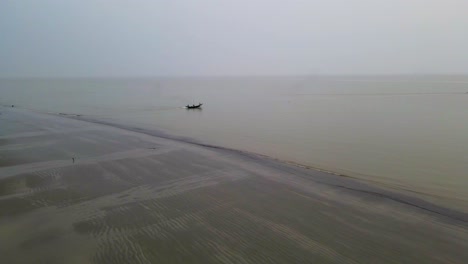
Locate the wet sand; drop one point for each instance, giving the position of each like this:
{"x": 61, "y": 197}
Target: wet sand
{"x": 146, "y": 197}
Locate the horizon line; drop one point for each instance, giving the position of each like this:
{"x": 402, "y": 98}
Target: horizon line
{"x": 201, "y": 76}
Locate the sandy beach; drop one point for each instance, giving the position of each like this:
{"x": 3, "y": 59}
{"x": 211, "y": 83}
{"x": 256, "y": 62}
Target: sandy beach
{"x": 140, "y": 196}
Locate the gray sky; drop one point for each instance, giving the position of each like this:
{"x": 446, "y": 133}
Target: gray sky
{"x": 237, "y": 37}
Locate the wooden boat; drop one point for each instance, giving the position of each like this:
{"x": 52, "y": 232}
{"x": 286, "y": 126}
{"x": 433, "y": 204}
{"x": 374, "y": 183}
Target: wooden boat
{"x": 194, "y": 106}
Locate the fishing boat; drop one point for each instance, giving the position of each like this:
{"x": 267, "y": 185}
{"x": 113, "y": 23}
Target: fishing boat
{"x": 194, "y": 106}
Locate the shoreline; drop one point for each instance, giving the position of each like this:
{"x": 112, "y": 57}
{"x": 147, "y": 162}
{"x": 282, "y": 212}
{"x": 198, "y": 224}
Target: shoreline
{"x": 140, "y": 189}
{"x": 415, "y": 152}
{"x": 403, "y": 196}
{"x": 371, "y": 188}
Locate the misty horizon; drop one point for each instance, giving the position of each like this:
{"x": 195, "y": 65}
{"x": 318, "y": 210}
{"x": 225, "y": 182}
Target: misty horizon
{"x": 245, "y": 38}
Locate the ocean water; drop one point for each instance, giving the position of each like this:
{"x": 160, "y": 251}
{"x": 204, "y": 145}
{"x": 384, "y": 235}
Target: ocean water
{"x": 407, "y": 133}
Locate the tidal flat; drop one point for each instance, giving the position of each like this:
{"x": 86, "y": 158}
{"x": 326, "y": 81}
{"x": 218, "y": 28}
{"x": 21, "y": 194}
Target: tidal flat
{"x": 136, "y": 197}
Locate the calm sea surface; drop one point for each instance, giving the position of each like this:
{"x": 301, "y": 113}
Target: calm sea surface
{"x": 404, "y": 133}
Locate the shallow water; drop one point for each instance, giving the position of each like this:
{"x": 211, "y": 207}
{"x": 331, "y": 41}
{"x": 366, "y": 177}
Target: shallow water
{"x": 406, "y": 133}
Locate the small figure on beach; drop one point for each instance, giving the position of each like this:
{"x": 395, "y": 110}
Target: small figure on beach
{"x": 73, "y": 159}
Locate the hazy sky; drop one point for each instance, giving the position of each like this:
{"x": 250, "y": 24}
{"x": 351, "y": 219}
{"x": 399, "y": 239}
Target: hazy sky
{"x": 220, "y": 37}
